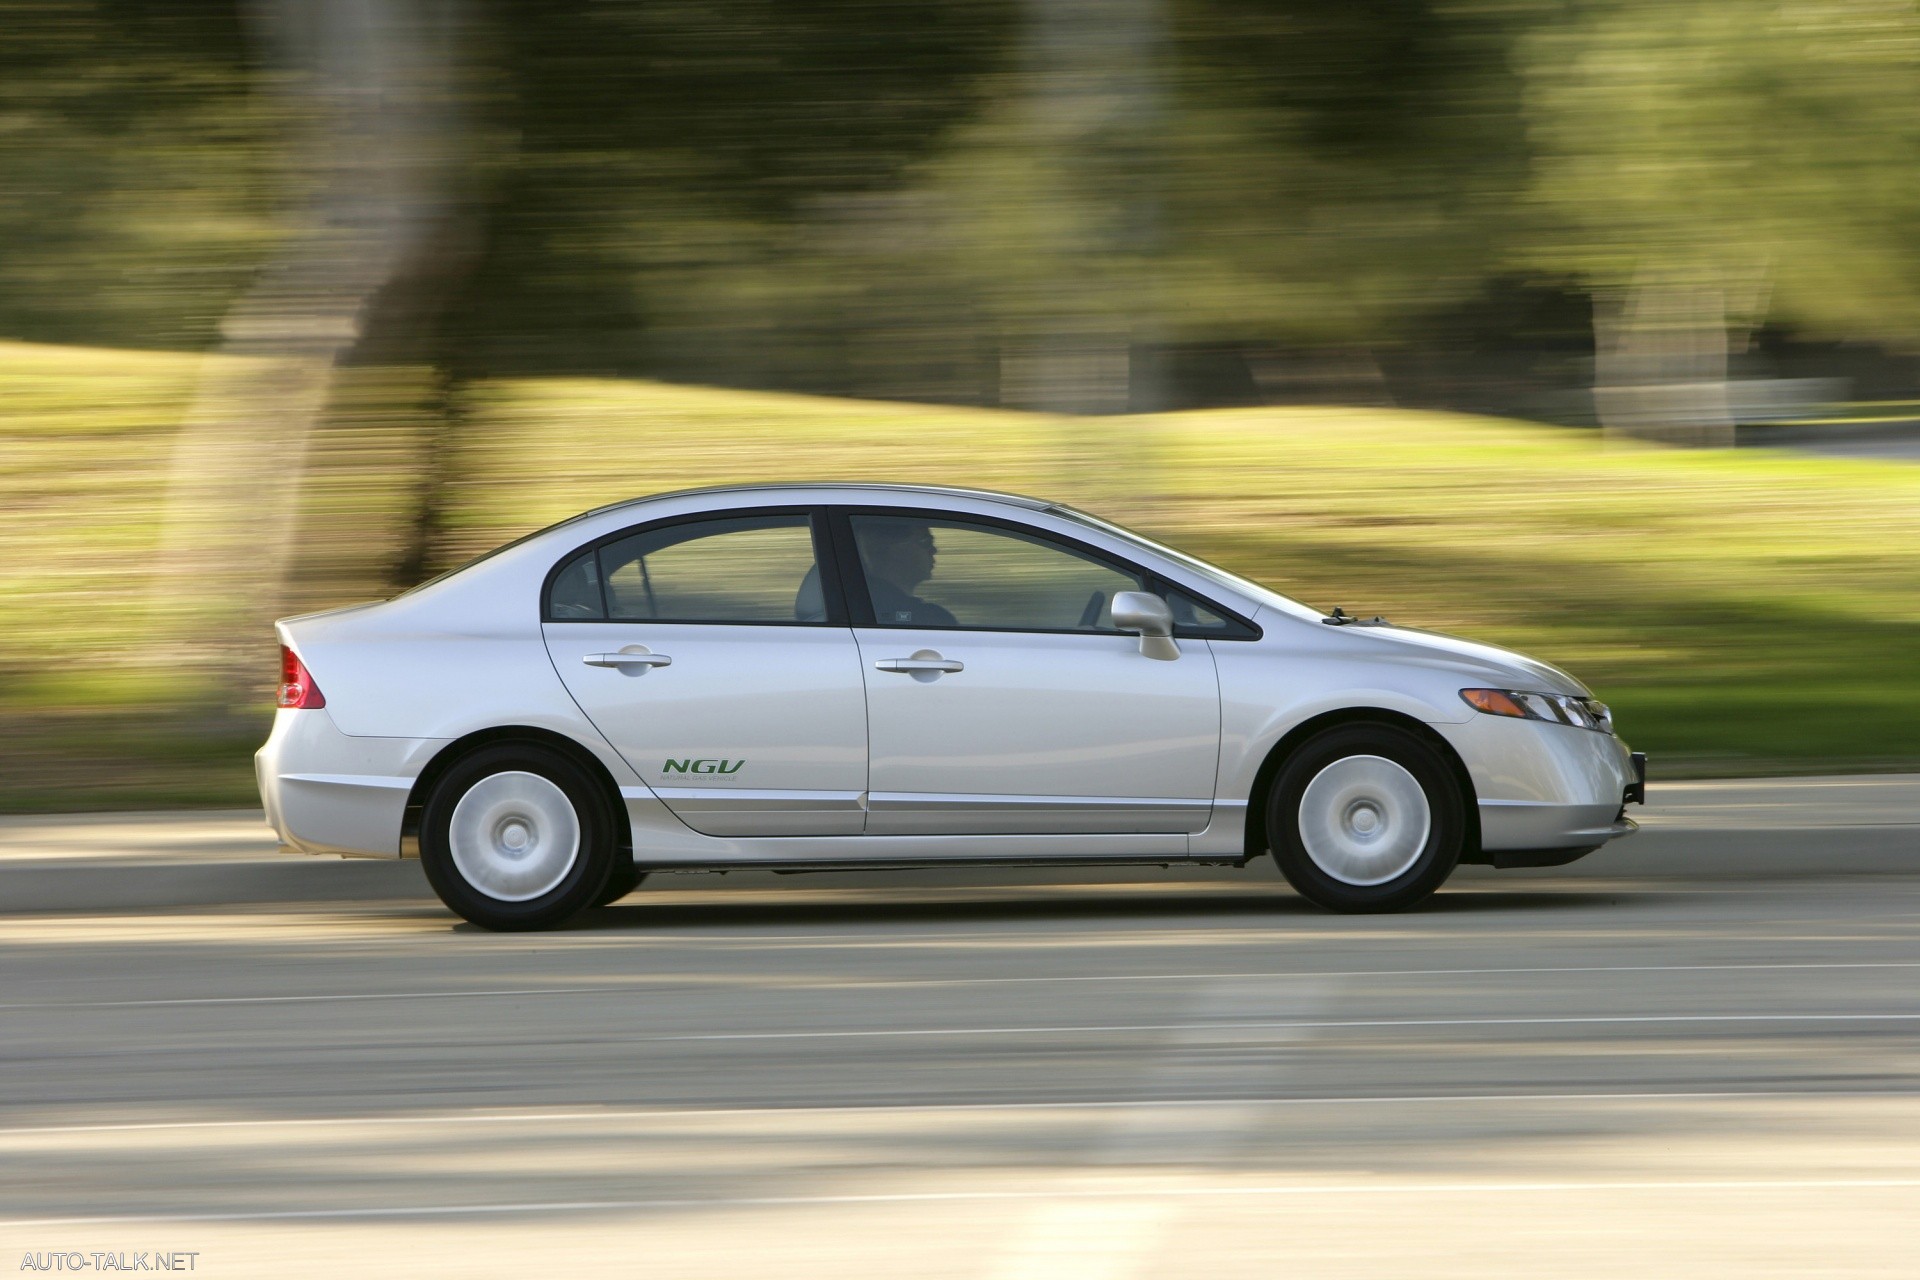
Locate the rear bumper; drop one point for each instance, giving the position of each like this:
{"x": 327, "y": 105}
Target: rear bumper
{"x": 325, "y": 792}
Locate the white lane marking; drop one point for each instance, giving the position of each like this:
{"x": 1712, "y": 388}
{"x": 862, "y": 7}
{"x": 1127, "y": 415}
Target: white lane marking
{"x": 1077, "y": 1237}
{"x": 1119, "y": 1028}
{"x": 1309, "y": 974}
{"x": 613, "y": 1114}
{"x": 1022, "y": 1194}
{"x": 610, "y": 988}
{"x": 308, "y": 999}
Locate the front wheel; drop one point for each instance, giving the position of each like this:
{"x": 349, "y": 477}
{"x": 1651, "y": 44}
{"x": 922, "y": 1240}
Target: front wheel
{"x": 517, "y": 836}
{"x": 624, "y": 880}
{"x": 1366, "y": 818}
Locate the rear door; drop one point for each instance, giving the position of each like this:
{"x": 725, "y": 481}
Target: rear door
{"x": 711, "y": 654}
{"x": 1001, "y": 699}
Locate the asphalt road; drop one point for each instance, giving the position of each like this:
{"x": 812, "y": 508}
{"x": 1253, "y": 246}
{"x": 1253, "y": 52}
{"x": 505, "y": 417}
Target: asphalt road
{"x": 1900, "y": 450}
{"x": 1696, "y": 1053}
{"x": 1889, "y": 439}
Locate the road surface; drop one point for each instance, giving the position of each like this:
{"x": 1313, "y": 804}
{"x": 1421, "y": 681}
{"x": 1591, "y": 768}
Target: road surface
{"x": 1697, "y": 1053}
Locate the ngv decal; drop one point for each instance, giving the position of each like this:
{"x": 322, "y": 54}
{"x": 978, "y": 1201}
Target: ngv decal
{"x": 703, "y": 766}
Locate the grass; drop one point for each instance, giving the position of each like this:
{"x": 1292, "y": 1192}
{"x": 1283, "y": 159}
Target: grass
{"x": 1745, "y": 612}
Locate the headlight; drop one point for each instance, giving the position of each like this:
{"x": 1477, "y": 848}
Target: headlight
{"x": 1554, "y": 708}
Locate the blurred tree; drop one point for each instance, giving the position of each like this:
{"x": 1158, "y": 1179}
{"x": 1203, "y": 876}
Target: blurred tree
{"x": 695, "y": 182}
{"x": 677, "y": 189}
{"x": 371, "y": 98}
{"x": 913, "y": 200}
{"x": 1342, "y": 170}
{"x": 1318, "y": 174}
{"x": 1075, "y": 189}
{"x": 138, "y": 170}
{"x": 1315, "y": 174}
{"x": 1701, "y": 162}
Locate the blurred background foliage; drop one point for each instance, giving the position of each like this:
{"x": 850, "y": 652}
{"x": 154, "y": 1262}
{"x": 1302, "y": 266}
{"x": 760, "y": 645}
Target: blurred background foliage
{"x": 136, "y": 195}
{"x": 304, "y": 300}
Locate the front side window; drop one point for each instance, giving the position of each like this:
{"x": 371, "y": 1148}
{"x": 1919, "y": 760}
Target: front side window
{"x": 935, "y": 572}
{"x": 738, "y": 569}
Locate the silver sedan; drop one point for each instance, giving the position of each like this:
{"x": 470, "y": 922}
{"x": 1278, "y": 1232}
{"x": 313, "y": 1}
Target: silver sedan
{"x": 831, "y": 677}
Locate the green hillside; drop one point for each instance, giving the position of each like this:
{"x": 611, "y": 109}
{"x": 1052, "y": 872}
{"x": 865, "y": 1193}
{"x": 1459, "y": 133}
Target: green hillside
{"x": 1744, "y": 611}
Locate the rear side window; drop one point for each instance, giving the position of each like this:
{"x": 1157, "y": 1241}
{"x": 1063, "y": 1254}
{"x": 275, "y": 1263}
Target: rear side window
{"x": 741, "y": 569}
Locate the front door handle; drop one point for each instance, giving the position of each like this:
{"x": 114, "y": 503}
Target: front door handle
{"x": 923, "y": 660}
{"x": 620, "y": 660}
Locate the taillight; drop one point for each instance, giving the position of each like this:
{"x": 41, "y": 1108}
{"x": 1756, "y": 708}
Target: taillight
{"x": 297, "y": 688}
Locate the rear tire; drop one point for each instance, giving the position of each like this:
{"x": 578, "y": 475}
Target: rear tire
{"x": 517, "y": 836}
{"x": 1366, "y": 817}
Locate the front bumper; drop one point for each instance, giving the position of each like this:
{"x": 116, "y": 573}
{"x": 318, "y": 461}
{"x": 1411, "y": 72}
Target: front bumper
{"x": 1556, "y": 855}
{"x": 1509, "y": 828}
{"x": 1547, "y": 793}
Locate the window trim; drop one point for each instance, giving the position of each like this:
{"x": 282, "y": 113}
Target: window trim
{"x": 858, "y": 601}
{"x": 823, "y": 559}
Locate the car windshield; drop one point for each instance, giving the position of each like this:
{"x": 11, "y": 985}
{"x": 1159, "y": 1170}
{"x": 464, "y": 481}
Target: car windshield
{"x": 1212, "y": 573}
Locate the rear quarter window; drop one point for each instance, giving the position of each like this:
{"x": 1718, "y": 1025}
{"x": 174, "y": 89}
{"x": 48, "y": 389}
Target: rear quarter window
{"x": 576, "y": 592}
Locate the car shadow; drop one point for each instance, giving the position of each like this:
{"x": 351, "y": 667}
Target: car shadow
{"x": 1467, "y": 901}
{"x": 883, "y": 907}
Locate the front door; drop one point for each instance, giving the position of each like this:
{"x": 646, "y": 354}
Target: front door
{"x": 1002, "y": 700}
{"x": 702, "y": 650}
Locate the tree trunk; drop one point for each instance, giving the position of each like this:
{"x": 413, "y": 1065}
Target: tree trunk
{"x": 1660, "y": 362}
{"x": 372, "y": 100}
{"x": 1093, "y": 110}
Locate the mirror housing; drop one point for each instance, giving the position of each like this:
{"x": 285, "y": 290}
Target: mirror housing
{"x": 1149, "y": 615}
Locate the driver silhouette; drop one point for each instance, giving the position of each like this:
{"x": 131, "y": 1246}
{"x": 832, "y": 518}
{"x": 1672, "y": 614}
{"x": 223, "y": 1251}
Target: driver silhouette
{"x": 898, "y": 556}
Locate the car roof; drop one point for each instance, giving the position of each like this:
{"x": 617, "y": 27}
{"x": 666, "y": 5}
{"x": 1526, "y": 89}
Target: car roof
{"x": 824, "y": 486}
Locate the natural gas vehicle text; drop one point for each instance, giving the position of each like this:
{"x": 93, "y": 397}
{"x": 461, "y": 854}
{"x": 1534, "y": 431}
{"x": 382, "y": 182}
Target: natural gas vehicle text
{"x": 819, "y": 677}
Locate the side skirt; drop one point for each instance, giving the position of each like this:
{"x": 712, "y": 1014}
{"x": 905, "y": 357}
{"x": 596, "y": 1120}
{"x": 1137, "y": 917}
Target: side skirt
{"x": 809, "y": 867}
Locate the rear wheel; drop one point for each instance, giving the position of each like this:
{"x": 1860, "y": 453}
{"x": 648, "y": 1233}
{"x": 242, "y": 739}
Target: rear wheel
{"x": 517, "y": 836}
{"x": 1366, "y": 817}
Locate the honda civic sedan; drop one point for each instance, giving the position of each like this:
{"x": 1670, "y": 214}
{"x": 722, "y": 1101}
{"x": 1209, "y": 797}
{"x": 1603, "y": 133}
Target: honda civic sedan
{"x": 848, "y": 676}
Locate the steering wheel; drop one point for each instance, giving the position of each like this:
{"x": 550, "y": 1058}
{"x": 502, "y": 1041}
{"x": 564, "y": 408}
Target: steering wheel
{"x": 1090, "y": 616}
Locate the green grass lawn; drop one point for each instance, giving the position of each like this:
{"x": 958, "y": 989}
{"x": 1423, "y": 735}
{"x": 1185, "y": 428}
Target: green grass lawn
{"x": 1745, "y": 612}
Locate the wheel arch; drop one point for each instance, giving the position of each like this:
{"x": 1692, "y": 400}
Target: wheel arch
{"x": 1257, "y": 843}
{"x": 460, "y": 748}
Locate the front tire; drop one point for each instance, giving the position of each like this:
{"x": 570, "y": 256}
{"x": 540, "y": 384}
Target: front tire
{"x": 624, "y": 880}
{"x": 1365, "y": 818}
{"x": 517, "y": 836}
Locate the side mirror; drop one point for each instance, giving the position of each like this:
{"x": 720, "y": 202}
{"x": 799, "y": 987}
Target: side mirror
{"x": 1148, "y": 614}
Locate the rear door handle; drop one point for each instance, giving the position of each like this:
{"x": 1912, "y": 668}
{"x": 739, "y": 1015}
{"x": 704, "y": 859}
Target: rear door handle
{"x": 924, "y": 660}
{"x": 618, "y": 660}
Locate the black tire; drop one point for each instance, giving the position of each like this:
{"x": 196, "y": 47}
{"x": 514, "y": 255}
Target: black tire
{"x": 1354, "y": 747}
{"x": 584, "y": 878}
{"x": 624, "y": 880}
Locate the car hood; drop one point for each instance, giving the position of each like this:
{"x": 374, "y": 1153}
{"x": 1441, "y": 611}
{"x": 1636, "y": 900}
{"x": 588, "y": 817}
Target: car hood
{"x": 1500, "y": 668}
